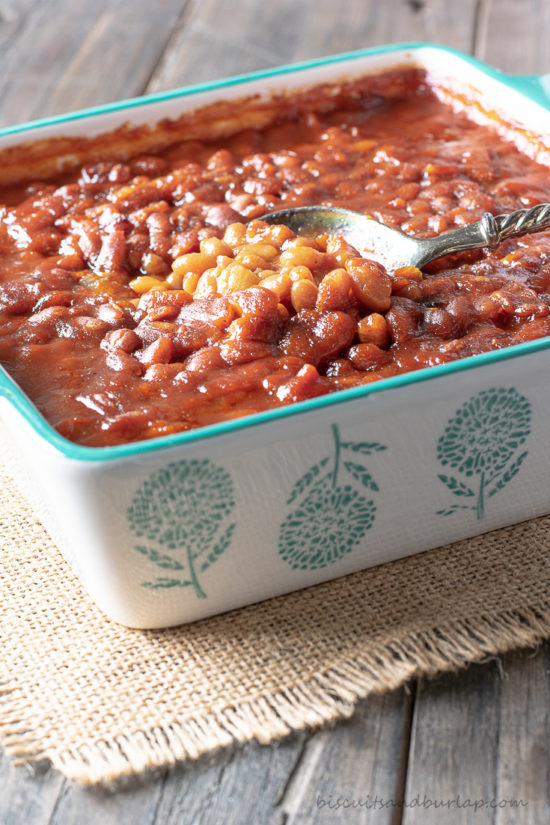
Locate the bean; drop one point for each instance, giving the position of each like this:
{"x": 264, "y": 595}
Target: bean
{"x": 152, "y": 264}
{"x": 114, "y": 313}
{"x": 306, "y": 384}
{"x": 235, "y": 234}
{"x": 303, "y": 295}
{"x": 189, "y": 281}
{"x": 222, "y": 215}
{"x": 279, "y": 283}
{"x": 160, "y": 233}
{"x": 340, "y": 250}
{"x": 257, "y": 231}
{"x": 250, "y": 328}
{"x": 184, "y": 242}
{"x": 406, "y": 289}
{"x": 139, "y": 217}
{"x": 438, "y": 321}
{"x": 403, "y": 319}
{"x": 120, "y": 361}
{"x": 411, "y": 273}
{"x": 215, "y": 246}
{"x": 221, "y": 159}
{"x": 149, "y": 330}
{"x": 174, "y": 280}
{"x": 172, "y": 299}
{"x": 463, "y": 311}
{"x": 124, "y": 339}
{"x": 159, "y": 352}
{"x": 299, "y": 273}
{"x": 82, "y": 327}
{"x": 255, "y": 301}
{"x": 205, "y": 284}
{"x": 301, "y": 256}
{"x": 367, "y": 356}
{"x": 60, "y": 298}
{"x": 43, "y": 325}
{"x": 317, "y": 337}
{"x": 193, "y": 336}
{"x": 250, "y": 260}
{"x": 207, "y": 359}
{"x": 217, "y": 311}
{"x": 244, "y": 351}
{"x": 195, "y": 262}
{"x": 277, "y": 235}
{"x": 163, "y": 372}
{"x": 235, "y": 277}
{"x": 150, "y": 165}
{"x": 264, "y": 250}
{"x": 371, "y": 284}
{"x": 145, "y": 282}
{"x": 374, "y": 329}
{"x": 335, "y": 291}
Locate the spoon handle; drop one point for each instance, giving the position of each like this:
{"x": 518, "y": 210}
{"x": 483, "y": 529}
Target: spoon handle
{"x": 490, "y": 231}
{"x": 522, "y": 222}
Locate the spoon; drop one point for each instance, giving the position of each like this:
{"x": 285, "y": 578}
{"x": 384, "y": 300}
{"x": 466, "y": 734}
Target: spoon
{"x": 393, "y": 248}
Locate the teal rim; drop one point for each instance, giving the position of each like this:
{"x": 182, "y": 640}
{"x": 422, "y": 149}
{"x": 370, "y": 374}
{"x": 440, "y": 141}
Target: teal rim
{"x": 530, "y": 86}
{"x": 10, "y": 390}
{"x": 228, "y": 82}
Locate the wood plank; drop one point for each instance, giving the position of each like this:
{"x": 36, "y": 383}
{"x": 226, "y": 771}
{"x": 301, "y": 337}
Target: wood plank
{"x": 135, "y": 804}
{"x": 118, "y": 54}
{"x": 238, "y": 788}
{"x": 354, "y": 773}
{"x": 66, "y": 55}
{"x": 12, "y": 16}
{"x": 216, "y": 39}
{"x": 14, "y": 21}
{"x": 27, "y": 795}
{"x": 523, "y": 768}
{"x": 483, "y": 736}
{"x": 513, "y": 35}
{"x": 454, "y": 748}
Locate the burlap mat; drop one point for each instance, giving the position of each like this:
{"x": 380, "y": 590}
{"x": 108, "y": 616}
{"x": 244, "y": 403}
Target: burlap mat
{"x": 100, "y": 701}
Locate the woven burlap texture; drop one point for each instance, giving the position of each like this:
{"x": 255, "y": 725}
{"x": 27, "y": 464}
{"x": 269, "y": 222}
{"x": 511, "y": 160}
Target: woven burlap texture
{"x": 101, "y": 701}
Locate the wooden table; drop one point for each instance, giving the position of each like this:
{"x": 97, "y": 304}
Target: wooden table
{"x": 480, "y": 735}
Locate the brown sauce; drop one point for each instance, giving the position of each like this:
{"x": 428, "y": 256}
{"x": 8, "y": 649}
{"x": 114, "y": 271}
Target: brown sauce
{"x": 135, "y": 302}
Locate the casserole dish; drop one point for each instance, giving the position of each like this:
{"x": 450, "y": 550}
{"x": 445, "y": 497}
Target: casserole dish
{"x": 180, "y": 527}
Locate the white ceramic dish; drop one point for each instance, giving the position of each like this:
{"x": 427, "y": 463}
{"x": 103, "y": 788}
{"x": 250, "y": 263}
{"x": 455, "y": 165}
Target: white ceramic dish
{"x": 179, "y": 528}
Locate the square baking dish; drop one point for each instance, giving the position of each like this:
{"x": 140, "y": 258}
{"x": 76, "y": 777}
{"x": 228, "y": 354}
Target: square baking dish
{"x": 181, "y": 527}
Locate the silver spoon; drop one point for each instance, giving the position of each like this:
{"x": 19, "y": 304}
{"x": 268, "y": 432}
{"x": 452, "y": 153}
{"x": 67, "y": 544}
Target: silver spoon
{"x": 393, "y": 248}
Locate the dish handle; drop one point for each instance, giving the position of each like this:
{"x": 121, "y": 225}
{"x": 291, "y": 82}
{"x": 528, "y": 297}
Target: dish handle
{"x": 535, "y": 86}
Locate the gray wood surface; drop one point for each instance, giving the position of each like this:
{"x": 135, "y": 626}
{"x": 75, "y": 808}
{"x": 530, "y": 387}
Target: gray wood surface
{"x": 482, "y": 734}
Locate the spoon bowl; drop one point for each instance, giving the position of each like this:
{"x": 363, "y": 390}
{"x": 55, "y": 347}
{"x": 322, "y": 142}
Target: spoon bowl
{"x": 393, "y": 248}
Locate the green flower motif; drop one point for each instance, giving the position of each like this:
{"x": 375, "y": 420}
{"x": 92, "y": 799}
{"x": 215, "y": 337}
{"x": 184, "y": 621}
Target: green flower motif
{"x": 486, "y": 431}
{"x": 183, "y": 507}
{"x": 482, "y": 439}
{"x": 326, "y": 526}
{"x": 330, "y": 519}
